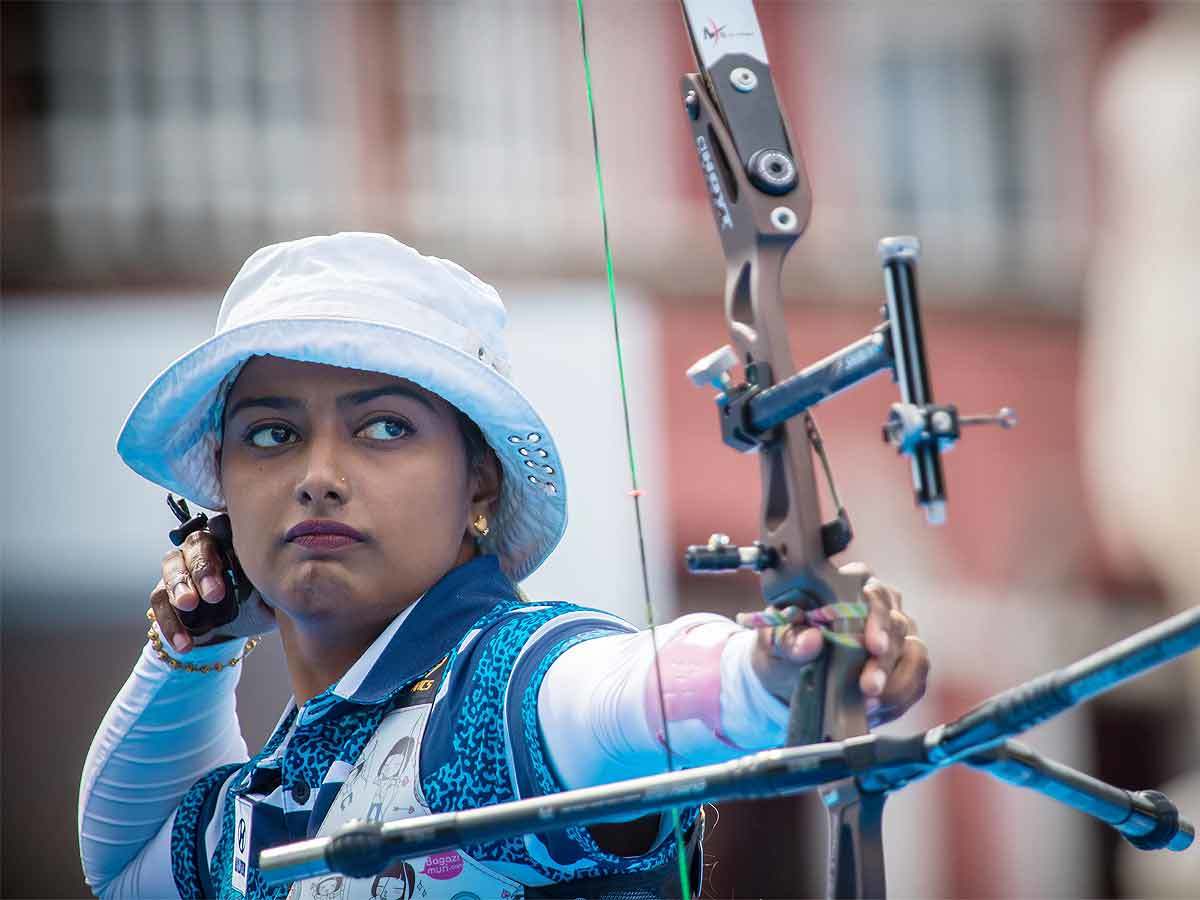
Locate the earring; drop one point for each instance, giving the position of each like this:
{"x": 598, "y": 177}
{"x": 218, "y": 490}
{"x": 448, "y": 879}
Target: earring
{"x": 481, "y": 525}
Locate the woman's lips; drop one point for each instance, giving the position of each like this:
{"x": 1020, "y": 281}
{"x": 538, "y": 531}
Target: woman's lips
{"x": 324, "y": 541}
{"x": 323, "y": 534}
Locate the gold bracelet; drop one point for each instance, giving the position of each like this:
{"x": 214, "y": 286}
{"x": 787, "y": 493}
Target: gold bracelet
{"x": 156, "y": 643}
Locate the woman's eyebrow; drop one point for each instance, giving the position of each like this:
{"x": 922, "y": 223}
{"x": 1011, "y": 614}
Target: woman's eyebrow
{"x": 355, "y": 398}
{"x": 397, "y": 390}
{"x": 269, "y": 402}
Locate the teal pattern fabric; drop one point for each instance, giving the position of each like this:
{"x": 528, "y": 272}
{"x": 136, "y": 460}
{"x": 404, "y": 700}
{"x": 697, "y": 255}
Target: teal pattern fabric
{"x": 661, "y": 857}
{"x": 191, "y": 819}
{"x": 313, "y": 748}
{"x": 221, "y": 862}
{"x": 477, "y": 774}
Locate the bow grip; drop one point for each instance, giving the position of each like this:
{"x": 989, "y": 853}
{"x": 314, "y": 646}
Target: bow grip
{"x": 899, "y": 258}
{"x": 827, "y": 703}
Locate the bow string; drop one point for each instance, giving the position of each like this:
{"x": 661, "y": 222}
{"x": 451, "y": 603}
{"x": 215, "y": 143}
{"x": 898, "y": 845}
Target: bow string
{"x": 635, "y": 492}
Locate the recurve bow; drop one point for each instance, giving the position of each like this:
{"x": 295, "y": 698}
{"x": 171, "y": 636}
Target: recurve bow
{"x": 761, "y": 202}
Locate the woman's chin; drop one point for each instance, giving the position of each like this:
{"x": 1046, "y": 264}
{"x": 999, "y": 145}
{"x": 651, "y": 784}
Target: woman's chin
{"x": 318, "y": 590}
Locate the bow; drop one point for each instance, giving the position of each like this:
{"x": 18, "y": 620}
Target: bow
{"x": 761, "y": 203}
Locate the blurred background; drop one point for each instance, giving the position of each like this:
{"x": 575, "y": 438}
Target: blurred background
{"x": 1045, "y": 153}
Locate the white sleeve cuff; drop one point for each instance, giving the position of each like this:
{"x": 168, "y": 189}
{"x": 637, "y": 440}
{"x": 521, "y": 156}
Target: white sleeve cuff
{"x": 751, "y": 716}
{"x": 199, "y": 655}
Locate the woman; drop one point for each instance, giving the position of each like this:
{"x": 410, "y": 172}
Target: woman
{"x": 387, "y": 486}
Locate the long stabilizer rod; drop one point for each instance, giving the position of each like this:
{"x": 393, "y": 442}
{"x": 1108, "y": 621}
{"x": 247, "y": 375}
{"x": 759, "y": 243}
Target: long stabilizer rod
{"x": 879, "y": 762}
{"x": 1019, "y": 709}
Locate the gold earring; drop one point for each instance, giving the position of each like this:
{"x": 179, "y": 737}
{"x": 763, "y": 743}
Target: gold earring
{"x": 481, "y": 525}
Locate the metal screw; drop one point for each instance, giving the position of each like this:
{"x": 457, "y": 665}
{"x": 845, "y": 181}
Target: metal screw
{"x": 783, "y": 218}
{"x": 899, "y": 247}
{"x": 743, "y": 79}
{"x": 1005, "y": 417}
{"x": 772, "y": 171}
{"x": 691, "y": 103}
{"x": 941, "y": 421}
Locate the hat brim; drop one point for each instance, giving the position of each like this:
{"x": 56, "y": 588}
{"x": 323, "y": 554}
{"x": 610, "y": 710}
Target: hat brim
{"x": 172, "y": 434}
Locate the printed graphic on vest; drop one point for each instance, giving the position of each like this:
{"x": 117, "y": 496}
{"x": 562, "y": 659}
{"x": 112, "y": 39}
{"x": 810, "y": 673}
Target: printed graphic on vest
{"x": 385, "y": 785}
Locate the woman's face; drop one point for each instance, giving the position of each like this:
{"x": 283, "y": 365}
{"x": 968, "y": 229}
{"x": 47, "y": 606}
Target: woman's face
{"x": 307, "y": 442}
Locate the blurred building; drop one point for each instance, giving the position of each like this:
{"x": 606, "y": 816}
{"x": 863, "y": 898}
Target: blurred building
{"x": 159, "y": 140}
{"x": 149, "y": 147}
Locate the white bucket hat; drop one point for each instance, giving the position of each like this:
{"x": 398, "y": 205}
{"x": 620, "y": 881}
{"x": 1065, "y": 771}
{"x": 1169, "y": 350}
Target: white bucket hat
{"x": 361, "y": 301}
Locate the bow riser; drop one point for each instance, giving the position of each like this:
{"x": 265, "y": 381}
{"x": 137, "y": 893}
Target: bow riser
{"x": 757, "y": 229}
{"x": 736, "y": 124}
{"x": 761, "y": 203}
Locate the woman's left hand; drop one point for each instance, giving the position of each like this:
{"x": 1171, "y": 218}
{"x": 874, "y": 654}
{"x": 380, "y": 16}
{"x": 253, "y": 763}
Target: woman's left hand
{"x": 897, "y": 667}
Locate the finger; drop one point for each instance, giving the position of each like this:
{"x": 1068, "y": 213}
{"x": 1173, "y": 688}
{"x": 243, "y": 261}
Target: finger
{"x": 857, "y": 569}
{"x": 886, "y": 625}
{"x": 873, "y": 679}
{"x": 880, "y": 668}
{"x": 892, "y": 630}
{"x": 910, "y": 677}
{"x": 796, "y": 644}
{"x": 168, "y": 621}
{"x": 889, "y": 594}
{"x": 183, "y": 594}
{"x": 204, "y": 563}
{"x": 908, "y": 683}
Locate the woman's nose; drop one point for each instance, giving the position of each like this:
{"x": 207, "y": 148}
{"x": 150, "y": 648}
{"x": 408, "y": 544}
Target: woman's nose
{"x": 323, "y": 480}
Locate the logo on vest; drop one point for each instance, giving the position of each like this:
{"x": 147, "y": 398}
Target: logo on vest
{"x": 443, "y": 866}
{"x": 243, "y": 810}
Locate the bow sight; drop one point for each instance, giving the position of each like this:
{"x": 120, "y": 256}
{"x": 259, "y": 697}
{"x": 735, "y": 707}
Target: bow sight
{"x": 751, "y": 411}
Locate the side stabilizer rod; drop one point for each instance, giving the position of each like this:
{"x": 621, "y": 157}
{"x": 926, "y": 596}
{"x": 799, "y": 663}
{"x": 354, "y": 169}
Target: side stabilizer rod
{"x": 1146, "y": 818}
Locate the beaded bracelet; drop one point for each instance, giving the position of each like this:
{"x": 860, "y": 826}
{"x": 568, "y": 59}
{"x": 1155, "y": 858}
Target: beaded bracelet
{"x": 156, "y": 643}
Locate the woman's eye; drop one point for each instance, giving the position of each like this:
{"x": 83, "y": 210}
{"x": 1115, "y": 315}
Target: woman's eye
{"x": 271, "y": 436}
{"x": 385, "y": 429}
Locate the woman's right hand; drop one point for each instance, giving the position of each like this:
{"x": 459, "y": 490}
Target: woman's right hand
{"x": 191, "y": 575}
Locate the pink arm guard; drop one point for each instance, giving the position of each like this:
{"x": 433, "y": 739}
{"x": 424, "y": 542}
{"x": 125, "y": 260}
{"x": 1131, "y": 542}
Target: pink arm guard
{"x": 599, "y": 707}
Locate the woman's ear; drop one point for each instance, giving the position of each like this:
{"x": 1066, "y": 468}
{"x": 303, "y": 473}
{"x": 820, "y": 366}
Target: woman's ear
{"x": 486, "y": 496}
{"x": 217, "y": 464}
